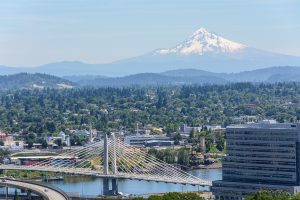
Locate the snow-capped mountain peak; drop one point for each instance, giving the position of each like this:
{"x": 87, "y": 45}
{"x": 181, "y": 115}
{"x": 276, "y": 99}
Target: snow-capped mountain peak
{"x": 202, "y": 42}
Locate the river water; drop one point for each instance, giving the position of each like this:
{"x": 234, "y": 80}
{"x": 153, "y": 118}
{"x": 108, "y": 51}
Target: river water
{"x": 87, "y": 186}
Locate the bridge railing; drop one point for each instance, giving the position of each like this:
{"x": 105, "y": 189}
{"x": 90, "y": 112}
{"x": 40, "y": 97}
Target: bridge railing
{"x": 43, "y": 185}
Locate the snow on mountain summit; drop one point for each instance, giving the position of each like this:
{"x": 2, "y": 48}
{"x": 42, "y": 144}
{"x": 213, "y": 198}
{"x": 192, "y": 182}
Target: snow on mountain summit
{"x": 201, "y": 42}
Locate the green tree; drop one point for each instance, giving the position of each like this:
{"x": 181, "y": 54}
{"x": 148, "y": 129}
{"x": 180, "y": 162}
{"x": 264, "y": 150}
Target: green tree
{"x": 156, "y": 197}
{"x": 30, "y": 144}
{"x": 192, "y": 134}
{"x": 183, "y": 157}
{"x": 171, "y": 127}
{"x": 173, "y": 196}
{"x": 44, "y": 144}
{"x": 270, "y": 195}
{"x": 31, "y": 136}
{"x": 58, "y": 142}
{"x": 51, "y": 127}
{"x": 177, "y": 138}
{"x": 3, "y": 154}
{"x": 191, "y": 196}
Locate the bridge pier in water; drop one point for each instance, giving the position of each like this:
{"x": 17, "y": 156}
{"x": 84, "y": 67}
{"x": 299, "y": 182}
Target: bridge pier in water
{"x": 114, "y": 186}
{"x": 106, "y": 181}
{"x": 28, "y": 194}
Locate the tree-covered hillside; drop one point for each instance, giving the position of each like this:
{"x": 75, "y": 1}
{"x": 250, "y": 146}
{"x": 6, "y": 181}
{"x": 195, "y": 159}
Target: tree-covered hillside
{"x": 51, "y": 110}
{"x": 32, "y": 81}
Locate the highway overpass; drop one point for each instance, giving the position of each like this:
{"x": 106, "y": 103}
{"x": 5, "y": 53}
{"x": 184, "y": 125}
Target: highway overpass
{"x": 46, "y": 192}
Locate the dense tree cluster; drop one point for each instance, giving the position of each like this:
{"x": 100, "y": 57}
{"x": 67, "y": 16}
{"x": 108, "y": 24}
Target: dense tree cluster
{"x": 26, "y": 80}
{"x": 173, "y": 196}
{"x": 52, "y": 110}
{"x": 3, "y": 154}
{"x": 171, "y": 156}
{"x": 272, "y": 195}
{"x": 214, "y": 140}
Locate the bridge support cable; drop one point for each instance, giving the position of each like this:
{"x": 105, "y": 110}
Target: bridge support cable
{"x": 146, "y": 159}
{"x": 86, "y": 157}
{"x": 159, "y": 168}
{"x": 74, "y": 153}
{"x": 139, "y": 164}
{"x": 85, "y": 161}
{"x": 58, "y": 160}
{"x": 169, "y": 170}
{"x": 124, "y": 165}
{"x": 142, "y": 161}
{"x": 83, "y": 154}
{"x": 111, "y": 158}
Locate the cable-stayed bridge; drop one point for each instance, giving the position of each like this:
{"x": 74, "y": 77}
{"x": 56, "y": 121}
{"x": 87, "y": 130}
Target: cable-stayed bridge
{"x": 112, "y": 159}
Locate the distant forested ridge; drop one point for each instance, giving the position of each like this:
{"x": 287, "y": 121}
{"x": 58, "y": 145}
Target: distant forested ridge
{"x": 33, "y": 81}
{"x": 52, "y": 110}
{"x": 284, "y": 74}
{"x": 192, "y": 76}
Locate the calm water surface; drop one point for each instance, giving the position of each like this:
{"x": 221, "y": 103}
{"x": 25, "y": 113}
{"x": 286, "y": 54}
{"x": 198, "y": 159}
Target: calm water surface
{"x": 86, "y": 186}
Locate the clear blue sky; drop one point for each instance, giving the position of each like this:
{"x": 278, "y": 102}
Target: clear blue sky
{"x": 34, "y": 32}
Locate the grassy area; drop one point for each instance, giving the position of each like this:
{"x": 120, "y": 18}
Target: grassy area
{"x": 34, "y": 153}
{"x": 27, "y": 174}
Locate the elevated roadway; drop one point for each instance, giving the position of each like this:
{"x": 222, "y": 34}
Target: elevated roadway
{"x": 48, "y": 193}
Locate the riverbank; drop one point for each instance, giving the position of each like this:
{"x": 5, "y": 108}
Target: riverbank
{"x": 93, "y": 186}
{"x": 205, "y": 195}
{"x": 217, "y": 165}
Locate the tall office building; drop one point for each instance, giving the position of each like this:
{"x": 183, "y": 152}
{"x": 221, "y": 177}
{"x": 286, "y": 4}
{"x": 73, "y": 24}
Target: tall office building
{"x": 260, "y": 156}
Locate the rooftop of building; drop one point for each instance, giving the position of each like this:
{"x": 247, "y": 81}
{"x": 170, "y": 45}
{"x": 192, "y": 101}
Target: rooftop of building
{"x": 147, "y": 136}
{"x": 265, "y": 125}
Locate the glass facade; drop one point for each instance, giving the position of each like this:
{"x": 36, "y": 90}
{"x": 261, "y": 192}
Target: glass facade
{"x": 259, "y": 156}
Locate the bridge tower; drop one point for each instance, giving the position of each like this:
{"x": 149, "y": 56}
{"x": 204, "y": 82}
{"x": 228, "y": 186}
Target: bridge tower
{"x": 110, "y": 147}
{"x": 105, "y": 155}
{"x": 114, "y": 154}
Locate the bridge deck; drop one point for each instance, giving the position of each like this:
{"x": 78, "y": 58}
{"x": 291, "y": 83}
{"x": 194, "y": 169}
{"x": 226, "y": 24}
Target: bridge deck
{"x": 112, "y": 158}
{"x": 46, "y": 192}
{"x": 87, "y": 172}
